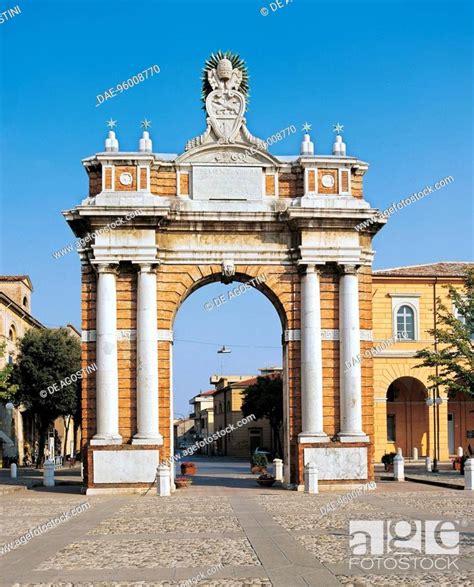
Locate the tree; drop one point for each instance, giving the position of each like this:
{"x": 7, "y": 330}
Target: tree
{"x": 7, "y": 388}
{"x": 46, "y": 361}
{"x": 453, "y": 355}
{"x": 264, "y": 399}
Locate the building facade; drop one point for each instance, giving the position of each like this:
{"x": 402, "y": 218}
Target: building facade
{"x": 203, "y": 415}
{"x": 405, "y": 301}
{"x": 156, "y": 227}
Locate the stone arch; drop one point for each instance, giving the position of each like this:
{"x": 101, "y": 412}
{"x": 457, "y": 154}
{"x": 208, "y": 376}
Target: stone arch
{"x": 281, "y": 286}
{"x": 407, "y": 416}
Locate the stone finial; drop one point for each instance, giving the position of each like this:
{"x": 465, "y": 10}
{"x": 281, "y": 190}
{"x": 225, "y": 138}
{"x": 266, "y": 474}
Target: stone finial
{"x": 145, "y": 144}
{"x": 339, "y": 147}
{"x": 307, "y": 147}
{"x": 111, "y": 142}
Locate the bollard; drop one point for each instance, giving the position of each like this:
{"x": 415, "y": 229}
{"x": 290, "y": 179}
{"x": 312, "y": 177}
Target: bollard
{"x": 469, "y": 475}
{"x": 460, "y": 451}
{"x": 163, "y": 481}
{"x": 13, "y": 471}
{"x": 48, "y": 473}
{"x": 311, "y": 478}
{"x": 278, "y": 469}
{"x": 415, "y": 454}
{"x": 398, "y": 468}
{"x": 428, "y": 464}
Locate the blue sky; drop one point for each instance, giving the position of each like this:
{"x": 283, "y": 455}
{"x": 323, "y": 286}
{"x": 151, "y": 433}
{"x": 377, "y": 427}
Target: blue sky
{"x": 397, "y": 74}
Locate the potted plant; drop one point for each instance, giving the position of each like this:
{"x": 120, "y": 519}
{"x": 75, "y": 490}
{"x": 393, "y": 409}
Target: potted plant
{"x": 266, "y": 480}
{"x": 182, "y": 481}
{"x": 387, "y": 460}
{"x": 258, "y": 463}
{"x": 188, "y": 468}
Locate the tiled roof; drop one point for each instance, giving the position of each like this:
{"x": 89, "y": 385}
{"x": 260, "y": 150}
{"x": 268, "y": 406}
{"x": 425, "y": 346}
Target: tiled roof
{"x": 208, "y": 392}
{"x": 442, "y": 269}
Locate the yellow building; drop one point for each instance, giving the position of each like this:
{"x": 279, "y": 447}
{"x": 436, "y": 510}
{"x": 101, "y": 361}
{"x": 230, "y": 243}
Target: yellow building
{"x": 404, "y": 301}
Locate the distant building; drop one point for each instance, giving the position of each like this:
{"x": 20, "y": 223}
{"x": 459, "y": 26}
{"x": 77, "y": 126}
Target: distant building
{"x": 228, "y": 398}
{"x": 184, "y": 433}
{"x": 404, "y": 302}
{"x": 203, "y": 415}
{"x": 18, "y": 433}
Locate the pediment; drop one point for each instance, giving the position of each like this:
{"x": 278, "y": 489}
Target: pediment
{"x": 231, "y": 154}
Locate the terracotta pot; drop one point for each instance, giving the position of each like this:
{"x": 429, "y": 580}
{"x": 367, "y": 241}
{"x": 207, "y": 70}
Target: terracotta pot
{"x": 189, "y": 469}
{"x": 256, "y": 469}
{"x": 180, "y": 484}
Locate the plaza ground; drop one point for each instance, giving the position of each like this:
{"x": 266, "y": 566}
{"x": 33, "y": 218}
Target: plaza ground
{"x": 224, "y": 526}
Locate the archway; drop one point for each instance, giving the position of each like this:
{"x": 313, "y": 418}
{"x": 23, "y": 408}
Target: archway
{"x": 407, "y": 416}
{"x": 225, "y": 313}
{"x": 460, "y": 422}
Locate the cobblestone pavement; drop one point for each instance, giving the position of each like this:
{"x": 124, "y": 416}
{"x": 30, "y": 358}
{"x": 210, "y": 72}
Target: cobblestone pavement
{"x": 225, "y": 536}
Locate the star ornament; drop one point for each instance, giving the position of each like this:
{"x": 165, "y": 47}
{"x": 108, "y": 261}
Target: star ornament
{"x": 111, "y": 123}
{"x": 338, "y": 128}
{"x": 146, "y": 124}
{"x": 307, "y": 127}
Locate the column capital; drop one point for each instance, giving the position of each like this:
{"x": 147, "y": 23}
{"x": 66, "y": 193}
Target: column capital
{"x": 147, "y": 266}
{"x": 348, "y": 269}
{"x": 106, "y": 268}
{"x": 306, "y": 268}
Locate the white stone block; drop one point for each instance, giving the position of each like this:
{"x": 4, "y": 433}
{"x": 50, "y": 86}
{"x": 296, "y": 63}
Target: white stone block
{"x": 163, "y": 481}
{"x": 338, "y": 463}
{"x": 13, "y": 471}
{"x": 398, "y": 468}
{"x": 415, "y": 454}
{"x": 125, "y": 466}
{"x": 278, "y": 469}
{"x": 469, "y": 475}
{"x": 311, "y": 478}
{"x": 460, "y": 451}
{"x": 48, "y": 473}
{"x": 227, "y": 183}
{"x": 428, "y": 464}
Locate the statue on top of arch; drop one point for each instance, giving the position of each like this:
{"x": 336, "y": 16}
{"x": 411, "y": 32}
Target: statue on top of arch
{"x": 225, "y": 94}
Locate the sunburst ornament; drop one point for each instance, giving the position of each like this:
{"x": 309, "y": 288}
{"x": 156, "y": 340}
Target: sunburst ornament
{"x": 111, "y": 123}
{"x": 338, "y": 128}
{"x": 146, "y": 124}
{"x": 212, "y": 63}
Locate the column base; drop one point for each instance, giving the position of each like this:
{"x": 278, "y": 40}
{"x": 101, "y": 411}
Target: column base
{"x": 105, "y": 440}
{"x": 312, "y": 437}
{"x": 352, "y": 437}
{"x": 155, "y": 440}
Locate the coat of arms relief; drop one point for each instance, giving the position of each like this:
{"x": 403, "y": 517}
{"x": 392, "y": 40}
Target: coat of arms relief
{"x": 225, "y": 93}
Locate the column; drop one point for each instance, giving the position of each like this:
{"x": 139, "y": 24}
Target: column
{"x": 147, "y": 358}
{"x": 311, "y": 359}
{"x": 107, "y": 408}
{"x": 350, "y": 368}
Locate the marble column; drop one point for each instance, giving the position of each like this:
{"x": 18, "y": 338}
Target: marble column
{"x": 147, "y": 358}
{"x": 311, "y": 359}
{"x": 107, "y": 406}
{"x": 350, "y": 365}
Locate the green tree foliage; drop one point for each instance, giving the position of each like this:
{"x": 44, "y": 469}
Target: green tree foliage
{"x": 454, "y": 356}
{"x": 47, "y": 358}
{"x": 264, "y": 399}
{"x": 7, "y": 388}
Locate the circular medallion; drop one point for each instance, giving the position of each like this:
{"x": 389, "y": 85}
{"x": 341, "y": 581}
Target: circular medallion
{"x": 327, "y": 181}
{"x": 126, "y": 178}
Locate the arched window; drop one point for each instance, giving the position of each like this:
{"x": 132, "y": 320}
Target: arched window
{"x": 406, "y": 323}
{"x": 12, "y": 333}
{"x": 25, "y": 302}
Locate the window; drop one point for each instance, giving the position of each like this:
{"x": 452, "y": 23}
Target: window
{"x": 25, "y": 302}
{"x": 462, "y": 319}
{"x": 405, "y": 323}
{"x": 12, "y": 333}
{"x": 229, "y": 409}
{"x": 10, "y": 359}
{"x": 391, "y": 436}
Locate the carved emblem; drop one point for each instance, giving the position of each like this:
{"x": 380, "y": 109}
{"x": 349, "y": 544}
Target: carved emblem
{"x": 226, "y": 110}
{"x": 228, "y": 268}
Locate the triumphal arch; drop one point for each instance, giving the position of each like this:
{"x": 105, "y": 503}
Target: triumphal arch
{"x": 155, "y": 227}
